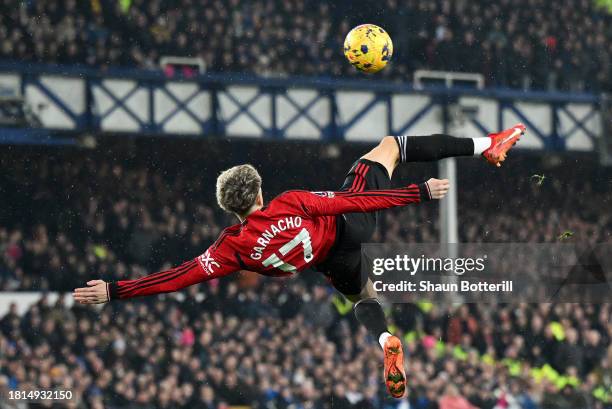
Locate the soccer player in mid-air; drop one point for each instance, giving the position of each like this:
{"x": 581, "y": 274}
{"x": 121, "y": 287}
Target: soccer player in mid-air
{"x": 322, "y": 230}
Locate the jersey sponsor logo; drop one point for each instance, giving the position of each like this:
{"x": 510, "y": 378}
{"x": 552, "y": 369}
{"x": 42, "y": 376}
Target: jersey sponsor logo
{"x": 271, "y": 232}
{"x": 207, "y": 263}
{"x": 324, "y": 194}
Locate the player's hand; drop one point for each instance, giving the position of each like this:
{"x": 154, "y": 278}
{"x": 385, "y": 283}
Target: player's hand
{"x": 438, "y": 188}
{"x": 96, "y": 292}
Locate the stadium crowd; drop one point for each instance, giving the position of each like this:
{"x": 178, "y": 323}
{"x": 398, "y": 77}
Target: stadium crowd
{"x": 282, "y": 344}
{"x": 541, "y": 44}
{"x": 106, "y": 214}
{"x": 118, "y": 215}
{"x": 70, "y": 216}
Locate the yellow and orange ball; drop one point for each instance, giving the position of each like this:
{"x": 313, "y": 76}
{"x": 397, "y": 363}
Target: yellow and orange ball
{"x": 368, "y": 48}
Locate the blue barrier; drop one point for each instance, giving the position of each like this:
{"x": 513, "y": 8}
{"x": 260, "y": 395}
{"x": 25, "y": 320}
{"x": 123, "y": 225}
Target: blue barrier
{"x": 82, "y": 99}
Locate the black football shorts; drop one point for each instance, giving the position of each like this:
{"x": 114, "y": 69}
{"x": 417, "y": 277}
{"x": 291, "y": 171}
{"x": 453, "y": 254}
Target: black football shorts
{"x": 343, "y": 264}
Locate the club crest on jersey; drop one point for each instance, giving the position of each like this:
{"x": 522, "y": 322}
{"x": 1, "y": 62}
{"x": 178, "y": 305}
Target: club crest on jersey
{"x": 207, "y": 262}
{"x": 324, "y": 194}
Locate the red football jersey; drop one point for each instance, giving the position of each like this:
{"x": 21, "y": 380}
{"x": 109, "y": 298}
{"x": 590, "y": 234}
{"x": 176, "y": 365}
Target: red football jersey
{"x": 294, "y": 231}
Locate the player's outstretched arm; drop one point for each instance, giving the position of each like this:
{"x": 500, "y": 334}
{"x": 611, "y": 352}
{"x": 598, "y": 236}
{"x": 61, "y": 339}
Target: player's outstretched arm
{"x": 332, "y": 203}
{"x": 202, "y": 268}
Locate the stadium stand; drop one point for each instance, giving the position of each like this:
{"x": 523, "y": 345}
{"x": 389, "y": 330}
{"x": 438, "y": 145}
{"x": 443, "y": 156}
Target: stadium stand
{"x": 129, "y": 208}
{"x": 279, "y": 352}
{"x": 120, "y": 214}
{"x": 134, "y": 206}
{"x": 519, "y": 44}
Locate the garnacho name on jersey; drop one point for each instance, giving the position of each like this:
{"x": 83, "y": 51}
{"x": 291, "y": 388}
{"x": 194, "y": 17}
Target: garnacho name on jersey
{"x": 272, "y": 231}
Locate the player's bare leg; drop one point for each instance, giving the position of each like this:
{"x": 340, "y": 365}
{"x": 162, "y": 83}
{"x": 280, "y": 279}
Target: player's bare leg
{"x": 393, "y": 150}
{"x": 386, "y": 153}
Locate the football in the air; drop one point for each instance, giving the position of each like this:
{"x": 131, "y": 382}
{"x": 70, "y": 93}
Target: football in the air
{"x": 368, "y": 48}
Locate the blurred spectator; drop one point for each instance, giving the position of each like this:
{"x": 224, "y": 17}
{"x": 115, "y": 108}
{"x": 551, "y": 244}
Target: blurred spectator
{"x": 453, "y": 400}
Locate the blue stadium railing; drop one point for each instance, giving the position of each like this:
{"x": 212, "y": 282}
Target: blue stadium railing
{"x": 72, "y": 100}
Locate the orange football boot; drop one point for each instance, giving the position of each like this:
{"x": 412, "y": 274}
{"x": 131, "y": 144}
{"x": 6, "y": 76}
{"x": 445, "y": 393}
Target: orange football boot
{"x": 501, "y": 143}
{"x": 395, "y": 376}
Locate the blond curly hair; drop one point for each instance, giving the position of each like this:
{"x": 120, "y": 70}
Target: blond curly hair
{"x": 237, "y": 189}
